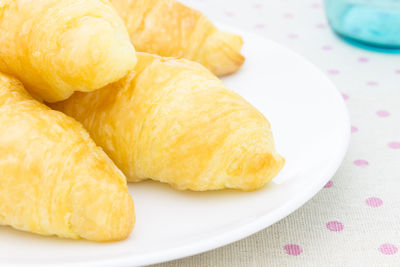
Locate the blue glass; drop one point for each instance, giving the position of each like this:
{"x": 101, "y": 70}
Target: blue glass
{"x": 367, "y": 22}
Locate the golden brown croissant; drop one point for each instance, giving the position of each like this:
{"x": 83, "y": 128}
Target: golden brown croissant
{"x": 173, "y": 121}
{"x": 169, "y": 28}
{"x": 56, "y": 47}
{"x": 54, "y": 180}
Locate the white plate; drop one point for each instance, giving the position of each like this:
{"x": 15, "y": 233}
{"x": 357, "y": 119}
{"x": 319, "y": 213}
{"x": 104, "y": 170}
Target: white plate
{"x": 311, "y": 127}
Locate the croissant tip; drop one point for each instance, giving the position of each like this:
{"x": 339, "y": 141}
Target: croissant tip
{"x": 228, "y": 58}
{"x": 111, "y": 218}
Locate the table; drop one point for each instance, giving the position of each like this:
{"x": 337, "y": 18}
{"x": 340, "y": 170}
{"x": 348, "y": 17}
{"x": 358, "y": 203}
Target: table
{"x": 355, "y": 219}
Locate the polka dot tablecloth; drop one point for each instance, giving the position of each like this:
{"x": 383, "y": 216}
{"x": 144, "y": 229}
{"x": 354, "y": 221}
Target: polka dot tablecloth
{"x": 355, "y": 219}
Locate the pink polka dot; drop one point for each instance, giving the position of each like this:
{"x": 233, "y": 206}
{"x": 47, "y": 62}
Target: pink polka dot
{"x": 229, "y": 14}
{"x": 320, "y": 25}
{"x": 345, "y": 97}
{"x": 293, "y": 249}
{"x": 383, "y": 113}
{"x": 397, "y": 71}
{"x": 257, "y": 6}
{"x": 335, "y": 226}
{"x": 374, "y": 202}
{"x": 288, "y": 15}
{"x": 354, "y": 129}
{"x": 316, "y": 5}
{"x": 363, "y": 59}
{"x": 327, "y": 47}
{"x": 259, "y": 26}
{"x": 361, "y": 163}
{"x": 293, "y": 36}
{"x": 372, "y": 83}
{"x": 333, "y": 72}
{"x": 388, "y": 249}
{"x": 394, "y": 145}
{"x": 328, "y": 184}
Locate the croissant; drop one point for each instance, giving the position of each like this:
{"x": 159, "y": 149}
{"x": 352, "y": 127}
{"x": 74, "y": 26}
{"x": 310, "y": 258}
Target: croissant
{"x": 169, "y": 28}
{"x": 54, "y": 180}
{"x": 173, "y": 121}
{"x": 56, "y": 47}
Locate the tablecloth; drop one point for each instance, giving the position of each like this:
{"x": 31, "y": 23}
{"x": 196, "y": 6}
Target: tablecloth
{"x": 355, "y": 219}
